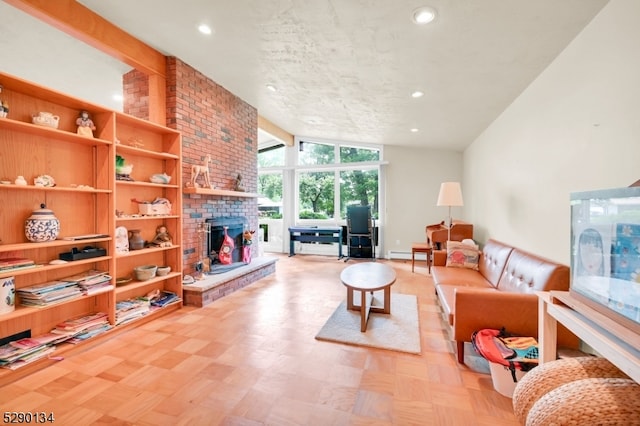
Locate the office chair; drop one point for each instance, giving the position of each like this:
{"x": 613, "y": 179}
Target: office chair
{"x": 360, "y": 232}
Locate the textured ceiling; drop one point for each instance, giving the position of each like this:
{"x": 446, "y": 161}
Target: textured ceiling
{"x": 346, "y": 69}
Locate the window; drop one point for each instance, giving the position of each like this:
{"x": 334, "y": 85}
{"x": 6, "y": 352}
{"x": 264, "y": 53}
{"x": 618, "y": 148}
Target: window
{"x": 313, "y": 182}
{"x": 315, "y": 153}
{"x": 316, "y": 195}
{"x": 271, "y": 156}
{"x": 359, "y": 187}
{"x": 270, "y": 190}
{"x": 333, "y": 175}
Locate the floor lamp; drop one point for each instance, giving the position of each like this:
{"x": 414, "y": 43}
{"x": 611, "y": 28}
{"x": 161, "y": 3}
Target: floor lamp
{"x": 450, "y": 196}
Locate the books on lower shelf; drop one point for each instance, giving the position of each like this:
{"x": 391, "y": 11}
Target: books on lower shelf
{"x": 21, "y": 352}
{"x": 130, "y": 309}
{"x": 13, "y": 358}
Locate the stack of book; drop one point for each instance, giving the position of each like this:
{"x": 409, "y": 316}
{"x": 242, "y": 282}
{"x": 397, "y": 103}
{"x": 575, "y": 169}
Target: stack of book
{"x": 127, "y": 310}
{"x": 21, "y": 352}
{"x": 11, "y": 263}
{"x": 164, "y": 299}
{"x": 49, "y": 293}
{"x": 83, "y": 327}
{"x": 92, "y": 282}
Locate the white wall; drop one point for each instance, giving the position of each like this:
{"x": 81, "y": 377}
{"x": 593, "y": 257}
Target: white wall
{"x": 413, "y": 178}
{"x": 575, "y": 128}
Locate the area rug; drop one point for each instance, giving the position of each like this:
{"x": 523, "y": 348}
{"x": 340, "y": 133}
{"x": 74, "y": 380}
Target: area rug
{"x": 399, "y": 331}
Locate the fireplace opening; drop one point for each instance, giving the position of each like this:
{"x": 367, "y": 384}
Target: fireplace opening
{"x": 235, "y": 227}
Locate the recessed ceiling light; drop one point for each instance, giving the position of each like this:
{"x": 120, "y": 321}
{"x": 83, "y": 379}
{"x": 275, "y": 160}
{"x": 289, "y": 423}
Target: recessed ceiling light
{"x": 271, "y": 88}
{"x": 204, "y": 29}
{"x": 414, "y": 130}
{"x": 417, "y": 94}
{"x": 424, "y": 15}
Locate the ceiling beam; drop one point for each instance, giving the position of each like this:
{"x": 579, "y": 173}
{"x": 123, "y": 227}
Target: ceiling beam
{"x": 275, "y": 131}
{"x": 85, "y": 25}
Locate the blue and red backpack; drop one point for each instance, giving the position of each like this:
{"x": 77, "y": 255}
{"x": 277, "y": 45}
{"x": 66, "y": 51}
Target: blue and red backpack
{"x": 514, "y": 352}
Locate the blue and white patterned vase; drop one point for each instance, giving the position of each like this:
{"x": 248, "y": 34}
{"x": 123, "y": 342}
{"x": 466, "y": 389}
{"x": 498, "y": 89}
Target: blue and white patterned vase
{"x": 42, "y": 225}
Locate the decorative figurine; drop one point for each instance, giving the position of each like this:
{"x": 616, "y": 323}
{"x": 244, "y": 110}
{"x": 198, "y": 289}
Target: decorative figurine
{"x": 247, "y": 240}
{"x": 85, "y": 125}
{"x": 4, "y": 109}
{"x": 123, "y": 170}
{"x": 202, "y": 169}
{"x": 238, "y": 185}
{"x": 122, "y": 240}
{"x": 162, "y": 238}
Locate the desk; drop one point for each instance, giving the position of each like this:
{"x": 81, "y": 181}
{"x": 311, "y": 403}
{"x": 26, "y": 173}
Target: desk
{"x": 366, "y": 278}
{"x": 308, "y": 234}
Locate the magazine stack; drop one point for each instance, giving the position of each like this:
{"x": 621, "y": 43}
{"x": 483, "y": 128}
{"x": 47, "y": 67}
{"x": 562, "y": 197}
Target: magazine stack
{"x": 84, "y": 327}
{"x": 46, "y": 294}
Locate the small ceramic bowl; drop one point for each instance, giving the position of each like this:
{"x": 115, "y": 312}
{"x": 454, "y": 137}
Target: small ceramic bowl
{"x": 163, "y": 270}
{"x": 145, "y": 272}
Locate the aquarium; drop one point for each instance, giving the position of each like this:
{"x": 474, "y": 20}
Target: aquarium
{"x": 605, "y": 252}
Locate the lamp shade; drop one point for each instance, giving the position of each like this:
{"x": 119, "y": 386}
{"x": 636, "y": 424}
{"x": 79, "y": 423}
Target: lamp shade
{"x": 450, "y": 194}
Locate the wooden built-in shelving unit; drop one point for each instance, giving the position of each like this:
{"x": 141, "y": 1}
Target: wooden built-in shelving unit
{"x": 85, "y": 200}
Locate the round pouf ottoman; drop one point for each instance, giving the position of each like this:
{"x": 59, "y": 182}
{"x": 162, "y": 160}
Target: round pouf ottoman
{"x": 601, "y": 401}
{"x": 551, "y": 375}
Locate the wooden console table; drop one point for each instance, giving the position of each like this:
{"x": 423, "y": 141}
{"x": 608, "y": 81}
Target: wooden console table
{"x": 307, "y": 234}
{"x": 618, "y": 344}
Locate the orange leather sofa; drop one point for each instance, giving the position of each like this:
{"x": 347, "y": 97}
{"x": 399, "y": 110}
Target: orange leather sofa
{"x": 501, "y": 293}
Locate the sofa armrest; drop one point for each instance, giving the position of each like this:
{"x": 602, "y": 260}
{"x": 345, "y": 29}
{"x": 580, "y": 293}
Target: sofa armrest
{"x": 478, "y": 309}
{"x": 439, "y": 258}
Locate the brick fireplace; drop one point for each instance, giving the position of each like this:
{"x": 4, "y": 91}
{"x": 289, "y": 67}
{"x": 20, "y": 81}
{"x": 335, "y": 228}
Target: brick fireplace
{"x": 213, "y": 121}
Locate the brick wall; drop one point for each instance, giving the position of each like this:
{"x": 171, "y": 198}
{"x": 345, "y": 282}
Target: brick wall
{"x": 212, "y": 121}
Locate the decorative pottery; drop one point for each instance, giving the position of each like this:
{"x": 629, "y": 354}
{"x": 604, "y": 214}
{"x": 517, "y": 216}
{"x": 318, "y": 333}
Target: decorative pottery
{"x": 160, "y": 178}
{"x": 145, "y": 272}
{"x": 42, "y": 225}
{"x": 136, "y": 242}
{"x": 122, "y": 240}
{"x": 7, "y": 295}
{"x": 163, "y": 270}
{"x": 20, "y": 180}
{"x": 44, "y": 180}
{"x": 46, "y": 119}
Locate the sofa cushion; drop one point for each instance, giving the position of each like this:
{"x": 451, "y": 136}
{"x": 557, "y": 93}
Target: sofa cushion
{"x": 447, "y": 299}
{"x": 493, "y": 259}
{"x": 462, "y": 255}
{"x": 464, "y": 277}
{"x": 529, "y": 273}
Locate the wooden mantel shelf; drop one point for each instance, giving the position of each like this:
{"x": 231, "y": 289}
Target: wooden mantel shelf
{"x": 219, "y": 192}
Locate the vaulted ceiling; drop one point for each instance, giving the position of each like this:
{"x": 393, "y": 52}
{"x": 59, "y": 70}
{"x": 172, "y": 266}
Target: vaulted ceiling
{"x": 342, "y": 69}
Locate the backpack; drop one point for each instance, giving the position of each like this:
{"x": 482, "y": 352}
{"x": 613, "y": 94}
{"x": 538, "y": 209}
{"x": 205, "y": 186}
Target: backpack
{"x": 514, "y": 352}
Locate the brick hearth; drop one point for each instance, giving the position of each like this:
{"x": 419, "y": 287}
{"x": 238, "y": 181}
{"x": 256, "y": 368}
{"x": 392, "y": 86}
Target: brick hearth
{"x": 214, "y": 287}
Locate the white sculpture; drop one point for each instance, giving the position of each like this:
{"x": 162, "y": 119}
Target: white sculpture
{"x": 203, "y": 169}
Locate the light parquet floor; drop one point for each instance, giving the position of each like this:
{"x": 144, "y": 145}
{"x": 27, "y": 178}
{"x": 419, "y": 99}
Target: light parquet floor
{"x": 251, "y": 359}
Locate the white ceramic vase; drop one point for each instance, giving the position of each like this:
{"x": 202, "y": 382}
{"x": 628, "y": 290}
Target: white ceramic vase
{"x": 7, "y": 295}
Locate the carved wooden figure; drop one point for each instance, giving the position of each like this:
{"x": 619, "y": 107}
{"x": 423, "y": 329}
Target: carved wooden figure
{"x": 202, "y": 169}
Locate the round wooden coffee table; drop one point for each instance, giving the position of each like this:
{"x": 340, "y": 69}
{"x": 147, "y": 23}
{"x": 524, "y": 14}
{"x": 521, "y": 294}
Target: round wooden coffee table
{"x": 366, "y": 278}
